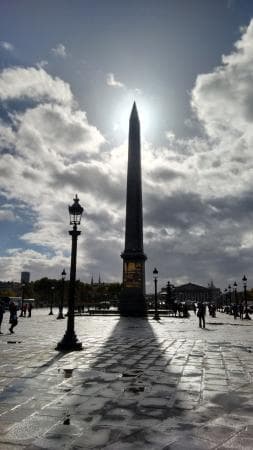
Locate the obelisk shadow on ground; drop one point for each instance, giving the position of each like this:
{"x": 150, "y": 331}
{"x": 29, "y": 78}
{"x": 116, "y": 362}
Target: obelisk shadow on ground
{"x": 134, "y": 386}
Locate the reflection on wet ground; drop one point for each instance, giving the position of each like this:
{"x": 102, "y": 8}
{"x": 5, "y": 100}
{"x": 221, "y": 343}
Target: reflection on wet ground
{"x": 137, "y": 384}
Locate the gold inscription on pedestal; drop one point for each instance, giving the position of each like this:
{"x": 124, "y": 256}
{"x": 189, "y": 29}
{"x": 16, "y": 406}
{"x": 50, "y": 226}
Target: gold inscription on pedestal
{"x": 132, "y": 274}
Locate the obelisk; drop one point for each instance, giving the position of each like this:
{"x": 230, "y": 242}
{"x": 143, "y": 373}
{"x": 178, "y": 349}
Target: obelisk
{"x": 132, "y": 298}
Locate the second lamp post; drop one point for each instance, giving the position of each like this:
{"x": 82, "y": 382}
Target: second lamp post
{"x": 155, "y": 276}
{"x": 60, "y": 315}
{"x": 245, "y": 298}
{"x": 22, "y": 300}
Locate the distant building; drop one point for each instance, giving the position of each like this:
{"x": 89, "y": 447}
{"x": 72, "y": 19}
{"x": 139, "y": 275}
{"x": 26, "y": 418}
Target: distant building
{"x": 191, "y": 292}
{"x": 25, "y": 277}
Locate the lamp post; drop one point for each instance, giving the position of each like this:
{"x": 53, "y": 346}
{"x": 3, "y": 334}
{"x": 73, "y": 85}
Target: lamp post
{"x": 230, "y": 297}
{"x": 60, "y": 315}
{"x": 155, "y": 277}
{"x": 226, "y": 299}
{"x": 69, "y": 341}
{"x": 236, "y": 301}
{"x": 22, "y": 300}
{"x": 51, "y": 302}
{"x": 244, "y": 279}
{"x": 168, "y": 295}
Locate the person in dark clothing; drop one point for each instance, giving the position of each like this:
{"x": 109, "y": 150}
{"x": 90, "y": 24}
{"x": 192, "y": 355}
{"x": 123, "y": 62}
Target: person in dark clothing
{"x": 241, "y": 311}
{"x": 24, "y": 309}
{"x": 29, "y": 309}
{"x": 235, "y": 310}
{"x": 13, "y": 316}
{"x": 201, "y": 315}
{"x": 1, "y": 314}
{"x": 185, "y": 311}
{"x": 175, "y": 309}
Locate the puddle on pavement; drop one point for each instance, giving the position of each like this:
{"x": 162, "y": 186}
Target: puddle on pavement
{"x": 132, "y": 373}
{"x": 137, "y": 386}
{"x": 135, "y": 389}
{"x": 68, "y": 373}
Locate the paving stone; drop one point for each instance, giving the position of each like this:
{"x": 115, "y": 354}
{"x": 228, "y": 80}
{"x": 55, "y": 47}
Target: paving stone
{"x": 238, "y": 443}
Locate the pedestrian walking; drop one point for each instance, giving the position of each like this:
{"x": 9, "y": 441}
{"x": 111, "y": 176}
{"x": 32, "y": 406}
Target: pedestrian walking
{"x": 24, "y": 309}
{"x": 201, "y": 314}
{"x": 212, "y": 310}
{"x": 241, "y": 311}
{"x": 2, "y": 309}
{"x": 185, "y": 311}
{"x": 235, "y": 310}
{"x": 29, "y": 309}
{"x": 13, "y": 316}
{"x": 180, "y": 309}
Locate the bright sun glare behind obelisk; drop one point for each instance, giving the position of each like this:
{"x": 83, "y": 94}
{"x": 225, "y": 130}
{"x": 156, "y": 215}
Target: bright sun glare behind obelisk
{"x": 121, "y": 119}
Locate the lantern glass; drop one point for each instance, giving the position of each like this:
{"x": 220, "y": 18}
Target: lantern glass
{"x": 155, "y": 273}
{"x": 63, "y": 274}
{"x": 75, "y": 212}
{"x": 244, "y": 280}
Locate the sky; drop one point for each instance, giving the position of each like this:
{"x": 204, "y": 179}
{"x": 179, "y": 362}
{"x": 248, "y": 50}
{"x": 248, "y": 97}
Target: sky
{"x": 69, "y": 73}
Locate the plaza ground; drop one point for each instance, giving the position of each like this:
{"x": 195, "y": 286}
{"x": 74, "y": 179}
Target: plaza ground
{"x": 137, "y": 384}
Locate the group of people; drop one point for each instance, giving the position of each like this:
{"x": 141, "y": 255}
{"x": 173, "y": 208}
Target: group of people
{"x": 27, "y": 308}
{"x": 13, "y": 309}
{"x": 237, "y": 310}
{"x": 181, "y": 309}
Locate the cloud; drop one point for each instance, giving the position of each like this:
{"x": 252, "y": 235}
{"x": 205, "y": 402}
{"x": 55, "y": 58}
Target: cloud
{"x": 59, "y": 50}
{"x": 197, "y": 192}
{"x": 170, "y": 135}
{"x": 201, "y": 221}
{"x": 6, "y": 215}
{"x": 39, "y": 264}
{"x": 49, "y": 151}
{"x": 18, "y": 83}
{"x": 112, "y": 82}
{"x": 223, "y": 99}
{"x": 41, "y": 64}
{"x": 223, "y": 102}
{"x": 7, "y": 46}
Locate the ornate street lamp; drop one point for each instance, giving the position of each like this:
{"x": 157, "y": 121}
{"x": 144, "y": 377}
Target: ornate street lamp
{"x": 69, "y": 341}
{"x": 22, "y": 300}
{"x": 52, "y": 301}
{"x": 244, "y": 279}
{"x": 168, "y": 295}
{"x": 225, "y": 297}
{"x": 236, "y": 300}
{"x": 155, "y": 277}
{"x": 60, "y": 315}
{"x": 230, "y": 297}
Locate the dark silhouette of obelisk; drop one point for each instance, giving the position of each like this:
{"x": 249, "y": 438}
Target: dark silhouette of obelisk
{"x": 132, "y": 298}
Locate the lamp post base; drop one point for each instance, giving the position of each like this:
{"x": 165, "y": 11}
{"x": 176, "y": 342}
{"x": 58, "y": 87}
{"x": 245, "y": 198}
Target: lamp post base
{"x": 51, "y": 313}
{"x": 156, "y": 316}
{"x": 69, "y": 343}
{"x": 60, "y": 316}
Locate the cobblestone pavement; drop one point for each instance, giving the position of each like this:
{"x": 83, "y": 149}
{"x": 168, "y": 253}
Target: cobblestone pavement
{"x": 137, "y": 384}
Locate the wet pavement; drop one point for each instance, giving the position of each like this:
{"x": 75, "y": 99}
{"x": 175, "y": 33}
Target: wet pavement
{"x": 137, "y": 384}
